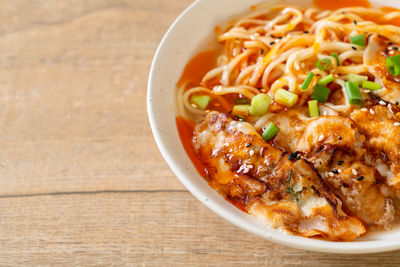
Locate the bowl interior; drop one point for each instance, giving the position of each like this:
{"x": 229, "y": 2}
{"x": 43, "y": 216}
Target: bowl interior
{"x": 190, "y": 34}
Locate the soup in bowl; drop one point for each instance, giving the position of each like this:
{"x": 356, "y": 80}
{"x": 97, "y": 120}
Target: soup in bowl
{"x": 283, "y": 118}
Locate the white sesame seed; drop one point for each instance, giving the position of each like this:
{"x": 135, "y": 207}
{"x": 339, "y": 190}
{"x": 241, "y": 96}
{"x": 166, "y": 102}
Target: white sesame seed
{"x": 340, "y": 170}
{"x": 363, "y": 109}
{"x": 331, "y": 174}
{"x": 383, "y": 103}
{"x": 251, "y": 152}
{"x": 226, "y": 144}
{"x": 390, "y": 107}
{"x": 321, "y": 137}
{"x": 396, "y": 124}
{"x": 246, "y": 170}
{"x": 372, "y": 111}
{"x": 366, "y": 91}
{"x": 250, "y": 166}
{"x": 354, "y": 171}
{"x": 252, "y": 37}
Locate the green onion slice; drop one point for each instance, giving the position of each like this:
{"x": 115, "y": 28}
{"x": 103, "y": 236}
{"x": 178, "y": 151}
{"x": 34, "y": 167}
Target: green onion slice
{"x": 242, "y": 110}
{"x": 393, "y": 65}
{"x": 355, "y": 78}
{"x": 321, "y": 93}
{"x": 270, "y": 132}
{"x": 307, "y": 81}
{"x": 335, "y": 55}
{"x": 371, "y": 85}
{"x": 201, "y": 101}
{"x": 313, "y": 108}
{"x": 286, "y": 98}
{"x": 322, "y": 64}
{"x": 327, "y": 79}
{"x": 358, "y": 40}
{"x": 353, "y": 93}
{"x": 259, "y": 105}
{"x": 241, "y": 118}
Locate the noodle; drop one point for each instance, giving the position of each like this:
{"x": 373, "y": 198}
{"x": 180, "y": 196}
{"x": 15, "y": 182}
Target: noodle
{"x": 273, "y": 48}
{"x": 276, "y": 47}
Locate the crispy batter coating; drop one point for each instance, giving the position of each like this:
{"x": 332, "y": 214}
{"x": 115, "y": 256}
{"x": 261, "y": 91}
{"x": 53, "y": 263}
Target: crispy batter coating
{"x": 382, "y": 130}
{"x": 285, "y": 194}
{"x": 336, "y": 148}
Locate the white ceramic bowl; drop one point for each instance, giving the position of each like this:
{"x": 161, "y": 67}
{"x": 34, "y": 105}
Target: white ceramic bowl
{"x": 191, "y": 33}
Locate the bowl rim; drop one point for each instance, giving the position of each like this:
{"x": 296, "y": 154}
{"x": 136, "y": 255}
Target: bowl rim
{"x": 308, "y": 244}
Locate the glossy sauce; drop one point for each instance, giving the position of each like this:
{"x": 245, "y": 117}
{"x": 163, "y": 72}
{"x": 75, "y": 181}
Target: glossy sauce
{"x": 381, "y": 20}
{"x": 198, "y": 67}
{"x": 395, "y": 21}
{"x": 193, "y": 73}
{"x": 336, "y": 4}
{"x": 186, "y": 131}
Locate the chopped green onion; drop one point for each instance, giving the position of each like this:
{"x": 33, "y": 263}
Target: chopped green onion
{"x": 286, "y": 98}
{"x": 356, "y": 78}
{"x": 270, "y": 132}
{"x": 353, "y": 93}
{"x": 393, "y": 65}
{"x": 242, "y": 110}
{"x": 307, "y": 81}
{"x": 358, "y": 40}
{"x": 241, "y": 101}
{"x": 259, "y": 105}
{"x": 201, "y": 101}
{"x": 240, "y": 118}
{"x": 313, "y": 108}
{"x": 335, "y": 55}
{"x": 321, "y": 93}
{"x": 327, "y": 79}
{"x": 326, "y": 64}
{"x": 371, "y": 85}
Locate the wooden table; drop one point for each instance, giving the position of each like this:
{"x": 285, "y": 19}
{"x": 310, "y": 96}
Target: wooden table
{"x": 81, "y": 179}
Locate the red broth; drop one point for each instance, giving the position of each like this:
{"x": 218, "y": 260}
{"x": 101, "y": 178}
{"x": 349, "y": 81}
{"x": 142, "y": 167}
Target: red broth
{"x": 186, "y": 130}
{"x": 336, "y": 4}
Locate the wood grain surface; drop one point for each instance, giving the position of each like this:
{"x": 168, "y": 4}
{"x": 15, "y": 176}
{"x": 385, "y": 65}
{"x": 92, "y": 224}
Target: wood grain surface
{"x": 81, "y": 179}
